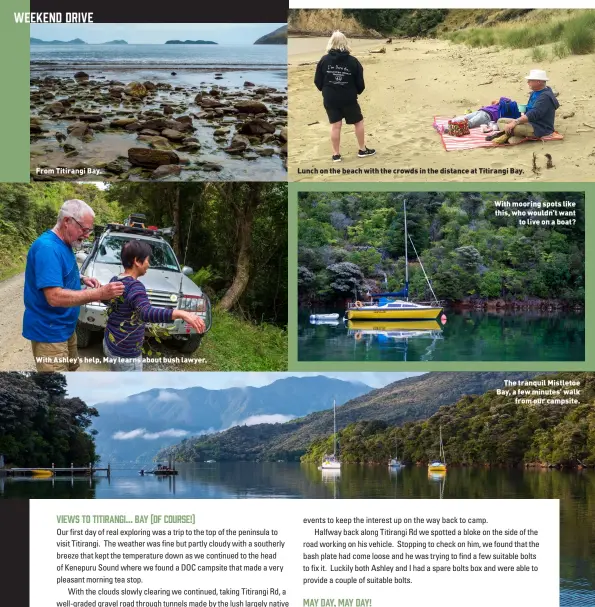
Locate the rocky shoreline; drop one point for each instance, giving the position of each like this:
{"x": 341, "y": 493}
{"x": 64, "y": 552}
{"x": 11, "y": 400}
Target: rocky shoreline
{"x": 162, "y": 131}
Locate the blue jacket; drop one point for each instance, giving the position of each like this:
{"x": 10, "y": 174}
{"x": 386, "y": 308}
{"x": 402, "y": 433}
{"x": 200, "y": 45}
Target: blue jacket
{"x": 541, "y": 116}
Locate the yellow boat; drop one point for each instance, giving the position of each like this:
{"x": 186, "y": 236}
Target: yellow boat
{"x": 397, "y": 310}
{"x": 42, "y": 473}
{"x": 407, "y": 327}
{"x": 438, "y": 465}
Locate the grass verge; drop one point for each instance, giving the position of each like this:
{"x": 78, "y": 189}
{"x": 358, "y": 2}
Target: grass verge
{"x": 233, "y": 344}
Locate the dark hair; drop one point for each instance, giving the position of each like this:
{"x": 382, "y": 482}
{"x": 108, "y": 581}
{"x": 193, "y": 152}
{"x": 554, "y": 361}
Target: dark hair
{"x": 134, "y": 249}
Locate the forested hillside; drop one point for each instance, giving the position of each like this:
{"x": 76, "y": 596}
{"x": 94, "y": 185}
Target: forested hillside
{"x": 403, "y": 401}
{"x": 356, "y": 240}
{"x": 40, "y": 425}
{"x": 488, "y": 429}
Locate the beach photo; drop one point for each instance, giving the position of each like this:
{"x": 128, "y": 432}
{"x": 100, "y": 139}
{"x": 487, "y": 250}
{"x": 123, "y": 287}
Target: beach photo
{"x": 143, "y": 277}
{"x": 138, "y": 102}
{"x": 331, "y": 436}
{"x": 441, "y": 95}
{"x": 441, "y": 276}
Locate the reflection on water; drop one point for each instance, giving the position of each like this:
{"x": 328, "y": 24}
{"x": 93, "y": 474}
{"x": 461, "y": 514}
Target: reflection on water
{"x": 468, "y": 335}
{"x": 576, "y": 491}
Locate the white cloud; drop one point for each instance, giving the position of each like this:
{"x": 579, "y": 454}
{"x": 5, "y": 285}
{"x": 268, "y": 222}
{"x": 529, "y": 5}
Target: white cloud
{"x": 275, "y": 418}
{"x": 173, "y": 433}
{"x": 169, "y": 397}
{"x": 129, "y": 435}
{"x": 142, "y": 433}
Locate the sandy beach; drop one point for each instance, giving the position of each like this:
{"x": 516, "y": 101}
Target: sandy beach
{"x": 416, "y": 80}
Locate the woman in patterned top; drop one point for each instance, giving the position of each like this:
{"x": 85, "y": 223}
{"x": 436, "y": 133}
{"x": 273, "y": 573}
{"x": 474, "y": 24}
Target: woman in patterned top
{"x": 125, "y": 331}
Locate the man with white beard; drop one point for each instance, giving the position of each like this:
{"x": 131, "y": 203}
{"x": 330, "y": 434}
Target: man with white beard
{"x": 53, "y": 291}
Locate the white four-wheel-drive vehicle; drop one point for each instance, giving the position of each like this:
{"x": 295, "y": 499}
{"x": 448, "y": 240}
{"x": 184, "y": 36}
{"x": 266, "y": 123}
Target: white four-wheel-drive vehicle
{"x": 167, "y": 284}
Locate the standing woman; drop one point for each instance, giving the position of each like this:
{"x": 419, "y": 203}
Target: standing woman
{"x": 340, "y": 77}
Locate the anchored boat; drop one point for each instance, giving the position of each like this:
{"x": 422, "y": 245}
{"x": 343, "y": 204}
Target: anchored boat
{"x": 388, "y": 306}
{"x": 332, "y": 462}
{"x": 438, "y": 465}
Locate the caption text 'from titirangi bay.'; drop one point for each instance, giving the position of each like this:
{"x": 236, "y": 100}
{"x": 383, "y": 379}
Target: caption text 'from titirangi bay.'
{"x": 293, "y": 553}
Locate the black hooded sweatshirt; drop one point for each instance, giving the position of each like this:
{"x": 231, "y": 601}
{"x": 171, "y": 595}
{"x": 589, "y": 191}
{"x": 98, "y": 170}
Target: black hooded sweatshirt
{"x": 340, "y": 77}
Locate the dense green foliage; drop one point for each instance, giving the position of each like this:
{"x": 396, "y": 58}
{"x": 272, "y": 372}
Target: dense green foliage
{"x": 399, "y": 22}
{"x": 27, "y": 210}
{"x": 40, "y": 425}
{"x": 233, "y": 235}
{"x": 490, "y": 429}
{"x": 349, "y": 240}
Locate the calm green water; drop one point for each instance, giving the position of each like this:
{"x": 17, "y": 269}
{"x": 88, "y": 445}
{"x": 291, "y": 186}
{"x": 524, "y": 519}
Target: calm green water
{"x": 475, "y": 336}
{"x": 576, "y": 491}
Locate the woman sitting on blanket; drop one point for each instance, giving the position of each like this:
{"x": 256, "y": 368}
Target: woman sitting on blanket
{"x": 484, "y": 115}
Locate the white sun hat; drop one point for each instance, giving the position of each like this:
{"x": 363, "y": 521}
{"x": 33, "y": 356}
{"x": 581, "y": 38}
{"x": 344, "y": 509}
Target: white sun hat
{"x": 537, "y": 75}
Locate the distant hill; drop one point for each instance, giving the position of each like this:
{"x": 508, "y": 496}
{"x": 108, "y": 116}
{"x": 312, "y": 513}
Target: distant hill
{"x": 116, "y": 42}
{"x": 190, "y": 42}
{"x": 135, "y": 428}
{"x": 406, "y": 400}
{"x": 279, "y": 36}
{"x": 38, "y": 41}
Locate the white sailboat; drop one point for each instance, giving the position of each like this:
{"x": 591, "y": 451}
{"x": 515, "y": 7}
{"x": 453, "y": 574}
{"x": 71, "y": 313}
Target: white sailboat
{"x": 386, "y": 306}
{"x": 395, "y": 462}
{"x": 332, "y": 462}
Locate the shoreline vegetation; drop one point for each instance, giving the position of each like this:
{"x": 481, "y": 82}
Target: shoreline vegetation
{"x": 491, "y": 430}
{"x": 550, "y": 33}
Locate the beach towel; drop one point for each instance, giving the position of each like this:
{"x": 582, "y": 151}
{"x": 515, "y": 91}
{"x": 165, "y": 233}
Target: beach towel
{"x": 477, "y": 139}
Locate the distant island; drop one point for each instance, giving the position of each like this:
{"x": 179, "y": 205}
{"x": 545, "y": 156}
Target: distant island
{"x": 279, "y": 36}
{"x": 190, "y": 42}
{"x": 75, "y": 41}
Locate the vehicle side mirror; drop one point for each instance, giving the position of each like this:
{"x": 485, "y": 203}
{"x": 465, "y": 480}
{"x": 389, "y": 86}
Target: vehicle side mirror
{"x": 81, "y": 256}
{"x": 187, "y": 271}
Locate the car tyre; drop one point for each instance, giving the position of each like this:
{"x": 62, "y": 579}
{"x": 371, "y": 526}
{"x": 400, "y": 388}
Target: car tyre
{"x": 83, "y": 336}
{"x": 190, "y": 345}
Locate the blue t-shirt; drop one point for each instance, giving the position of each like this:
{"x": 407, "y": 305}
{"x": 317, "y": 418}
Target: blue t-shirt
{"x": 532, "y": 99}
{"x": 50, "y": 263}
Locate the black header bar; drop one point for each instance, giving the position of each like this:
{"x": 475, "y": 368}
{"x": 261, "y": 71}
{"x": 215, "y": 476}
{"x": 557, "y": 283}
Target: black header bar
{"x": 147, "y": 11}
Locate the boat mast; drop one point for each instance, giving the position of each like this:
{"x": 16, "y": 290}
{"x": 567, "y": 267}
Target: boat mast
{"x": 334, "y": 429}
{"x": 406, "y": 257}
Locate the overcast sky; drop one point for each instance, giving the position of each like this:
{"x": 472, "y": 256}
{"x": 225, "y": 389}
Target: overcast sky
{"x": 100, "y": 387}
{"x": 154, "y": 33}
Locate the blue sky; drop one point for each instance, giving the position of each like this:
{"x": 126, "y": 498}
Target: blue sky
{"x": 154, "y": 33}
{"x": 101, "y": 387}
